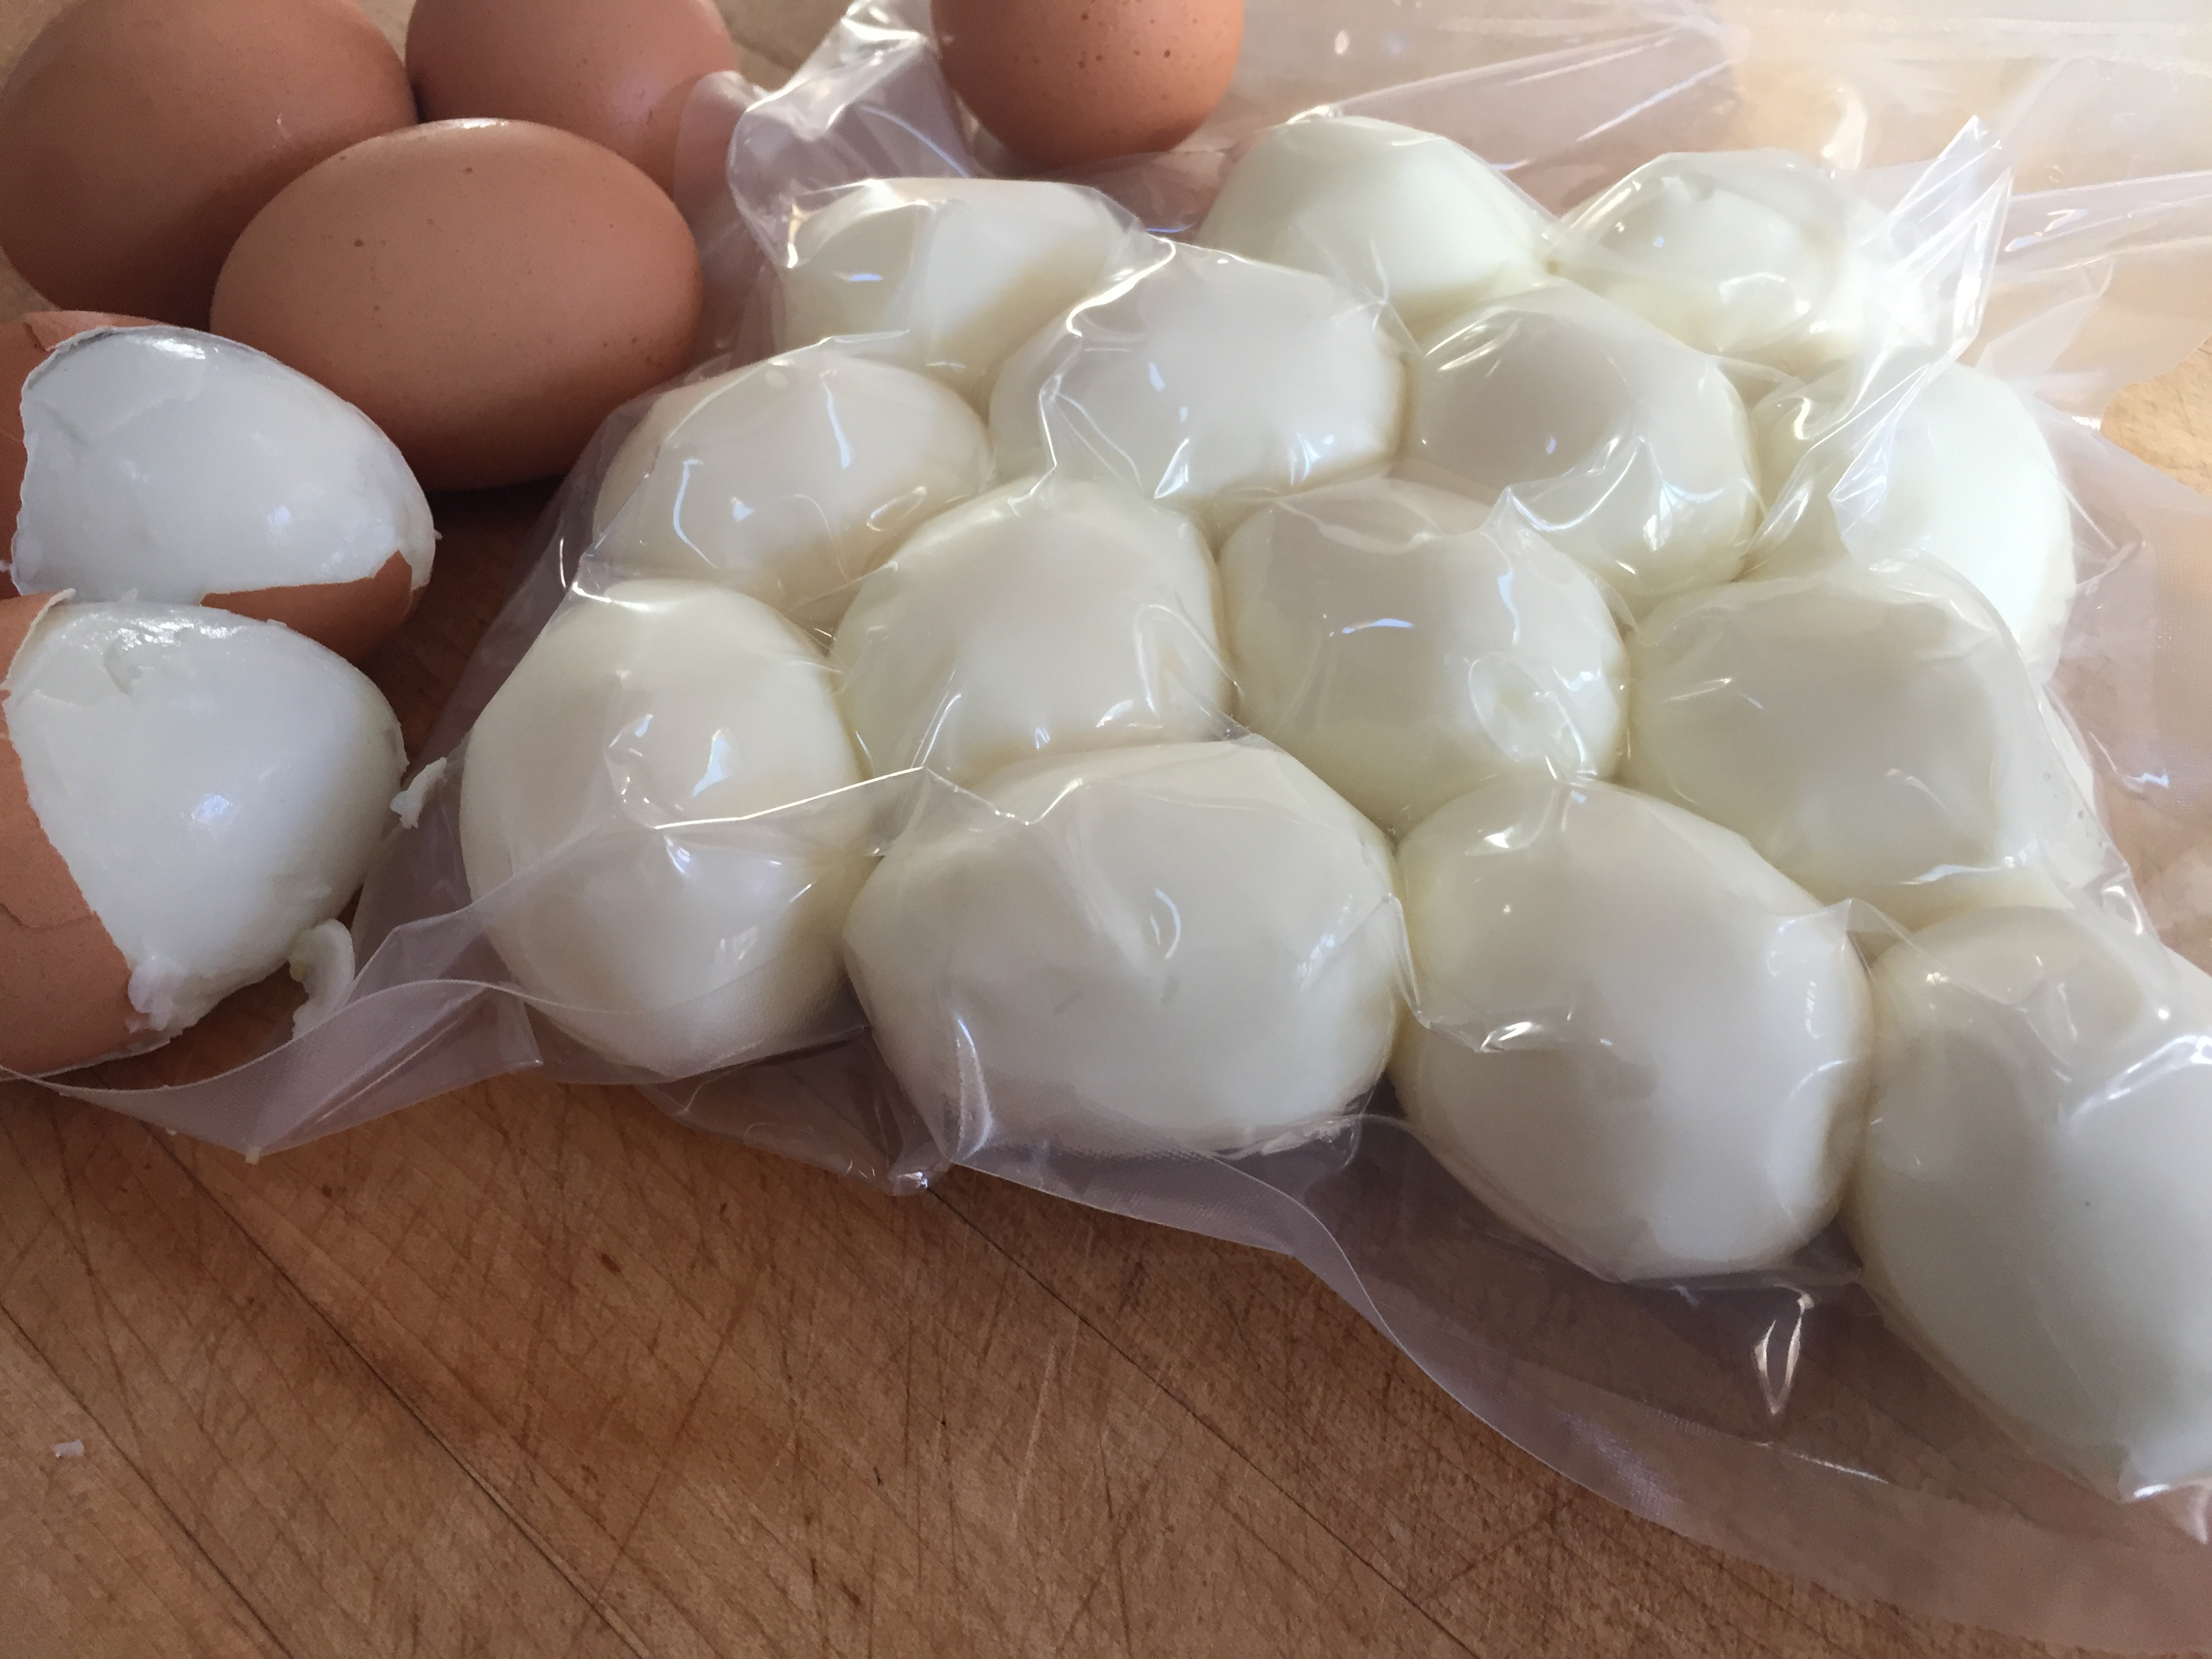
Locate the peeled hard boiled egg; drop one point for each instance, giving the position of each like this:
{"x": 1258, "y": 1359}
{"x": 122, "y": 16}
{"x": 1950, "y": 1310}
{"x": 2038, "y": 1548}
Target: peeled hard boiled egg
{"x": 1639, "y": 1042}
{"x": 957, "y": 272}
{"x": 1408, "y": 645}
{"x": 1208, "y": 382}
{"x": 487, "y": 292}
{"x": 1968, "y": 479}
{"x": 611, "y": 827}
{"x": 1393, "y": 211}
{"x": 1875, "y": 735}
{"x": 168, "y": 465}
{"x": 1182, "y": 945}
{"x": 24, "y": 344}
{"x": 1756, "y": 254}
{"x": 2030, "y": 1202}
{"x": 182, "y": 794}
{"x": 1048, "y": 618}
{"x": 1630, "y": 450}
{"x": 789, "y": 479}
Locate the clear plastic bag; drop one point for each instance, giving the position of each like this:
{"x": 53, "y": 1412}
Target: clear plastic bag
{"x": 1766, "y": 1411}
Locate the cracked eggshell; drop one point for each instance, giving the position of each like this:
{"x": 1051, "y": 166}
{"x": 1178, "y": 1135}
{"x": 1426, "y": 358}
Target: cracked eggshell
{"x": 958, "y": 272}
{"x": 1409, "y": 644}
{"x": 174, "y": 467}
{"x": 1208, "y": 382}
{"x": 608, "y": 825}
{"x": 1630, "y": 450}
{"x": 1047, "y": 619}
{"x": 2029, "y": 1205}
{"x": 1186, "y": 945}
{"x": 1755, "y": 254}
{"x": 1639, "y": 1042}
{"x": 788, "y": 480}
{"x": 211, "y": 788}
{"x": 1969, "y": 480}
{"x": 1385, "y": 210}
{"x": 1874, "y": 734}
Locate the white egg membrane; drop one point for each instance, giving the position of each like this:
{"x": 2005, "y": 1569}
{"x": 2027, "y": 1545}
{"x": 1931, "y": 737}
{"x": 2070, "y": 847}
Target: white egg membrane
{"x": 604, "y": 782}
{"x": 788, "y": 480}
{"x": 1187, "y": 946}
{"x": 1408, "y": 645}
{"x": 1876, "y": 736}
{"x": 1050, "y": 617}
{"x": 215, "y": 786}
{"x": 1382, "y": 209}
{"x": 166, "y": 464}
{"x": 1756, "y": 254}
{"x": 1208, "y": 382}
{"x": 954, "y": 273}
{"x": 2030, "y": 1207}
{"x": 1967, "y": 478}
{"x": 1639, "y": 1044}
{"x": 1629, "y": 450}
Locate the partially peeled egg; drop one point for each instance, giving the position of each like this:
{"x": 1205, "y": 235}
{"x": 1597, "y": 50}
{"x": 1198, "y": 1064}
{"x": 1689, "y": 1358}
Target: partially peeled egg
{"x": 168, "y": 466}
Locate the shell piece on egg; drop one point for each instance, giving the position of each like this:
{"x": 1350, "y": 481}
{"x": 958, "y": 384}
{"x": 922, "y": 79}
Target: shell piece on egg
{"x": 1047, "y": 619}
{"x": 2029, "y": 1204}
{"x": 1630, "y": 450}
{"x": 1874, "y": 734}
{"x": 174, "y": 467}
{"x": 610, "y": 826}
{"x": 957, "y": 272}
{"x": 788, "y": 480}
{"x": 1208, "y": 382}
{"x": 214, "y": 786}
{"x": 1639, "y": 1042}
{"x": 1192, "y": 946}
{"x": 1409, "y": 644}
{"x": 1385, "y": 210}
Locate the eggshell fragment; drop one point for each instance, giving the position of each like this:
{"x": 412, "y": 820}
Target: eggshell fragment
{"x": 1384, "y": 210}
{"x": 1409, "y": 644}
{"x": 788, "y": 479}
{"x": 957, "y": 272}
{"x": 64, "y": 987}
{"x": 2030, "y": 1202}
{"x": 1066, "y": 81}
{"x": 1189, "y": 946}
{"x": 214, "y": 785}
{"x": 1630, "y": 450}
{"x": 1639, "y": 1042}
{"x": 171, "y": 466}
{"x": 619, "y": 825}
{"x": 484, "y": 291}
{"x": 24, "y": 344}
{"x": 1208, "y": 382}
{"x": 1873, "y": 734}
{"x": 138, "y": 137}
{"x": 617, "y": 75}
{"x": 1048, "y": 618}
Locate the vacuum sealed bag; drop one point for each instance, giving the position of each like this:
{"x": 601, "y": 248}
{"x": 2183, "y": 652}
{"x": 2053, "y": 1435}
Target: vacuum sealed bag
{"x": 1534, "y": 687}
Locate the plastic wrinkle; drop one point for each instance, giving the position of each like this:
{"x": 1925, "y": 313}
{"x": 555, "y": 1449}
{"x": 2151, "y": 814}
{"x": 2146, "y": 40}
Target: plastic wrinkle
{"x": 1985, "y": 209}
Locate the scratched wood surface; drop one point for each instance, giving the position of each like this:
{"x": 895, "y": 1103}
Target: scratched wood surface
{"x": 530, "y": 1371}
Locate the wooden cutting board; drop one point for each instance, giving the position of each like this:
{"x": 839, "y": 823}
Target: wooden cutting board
{"x": 530, "y": 1371}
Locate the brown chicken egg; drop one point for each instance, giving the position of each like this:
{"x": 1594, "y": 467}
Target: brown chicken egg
{"x": 24, "y": 344}
{"x": 618, "y": 75}
{"x": 1065, "y": 82}
{"x": 138, "y": 137}
{"x": 484, "y": 291}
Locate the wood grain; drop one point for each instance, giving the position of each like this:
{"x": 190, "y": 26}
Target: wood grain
{"x": 531, "y": 1369}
